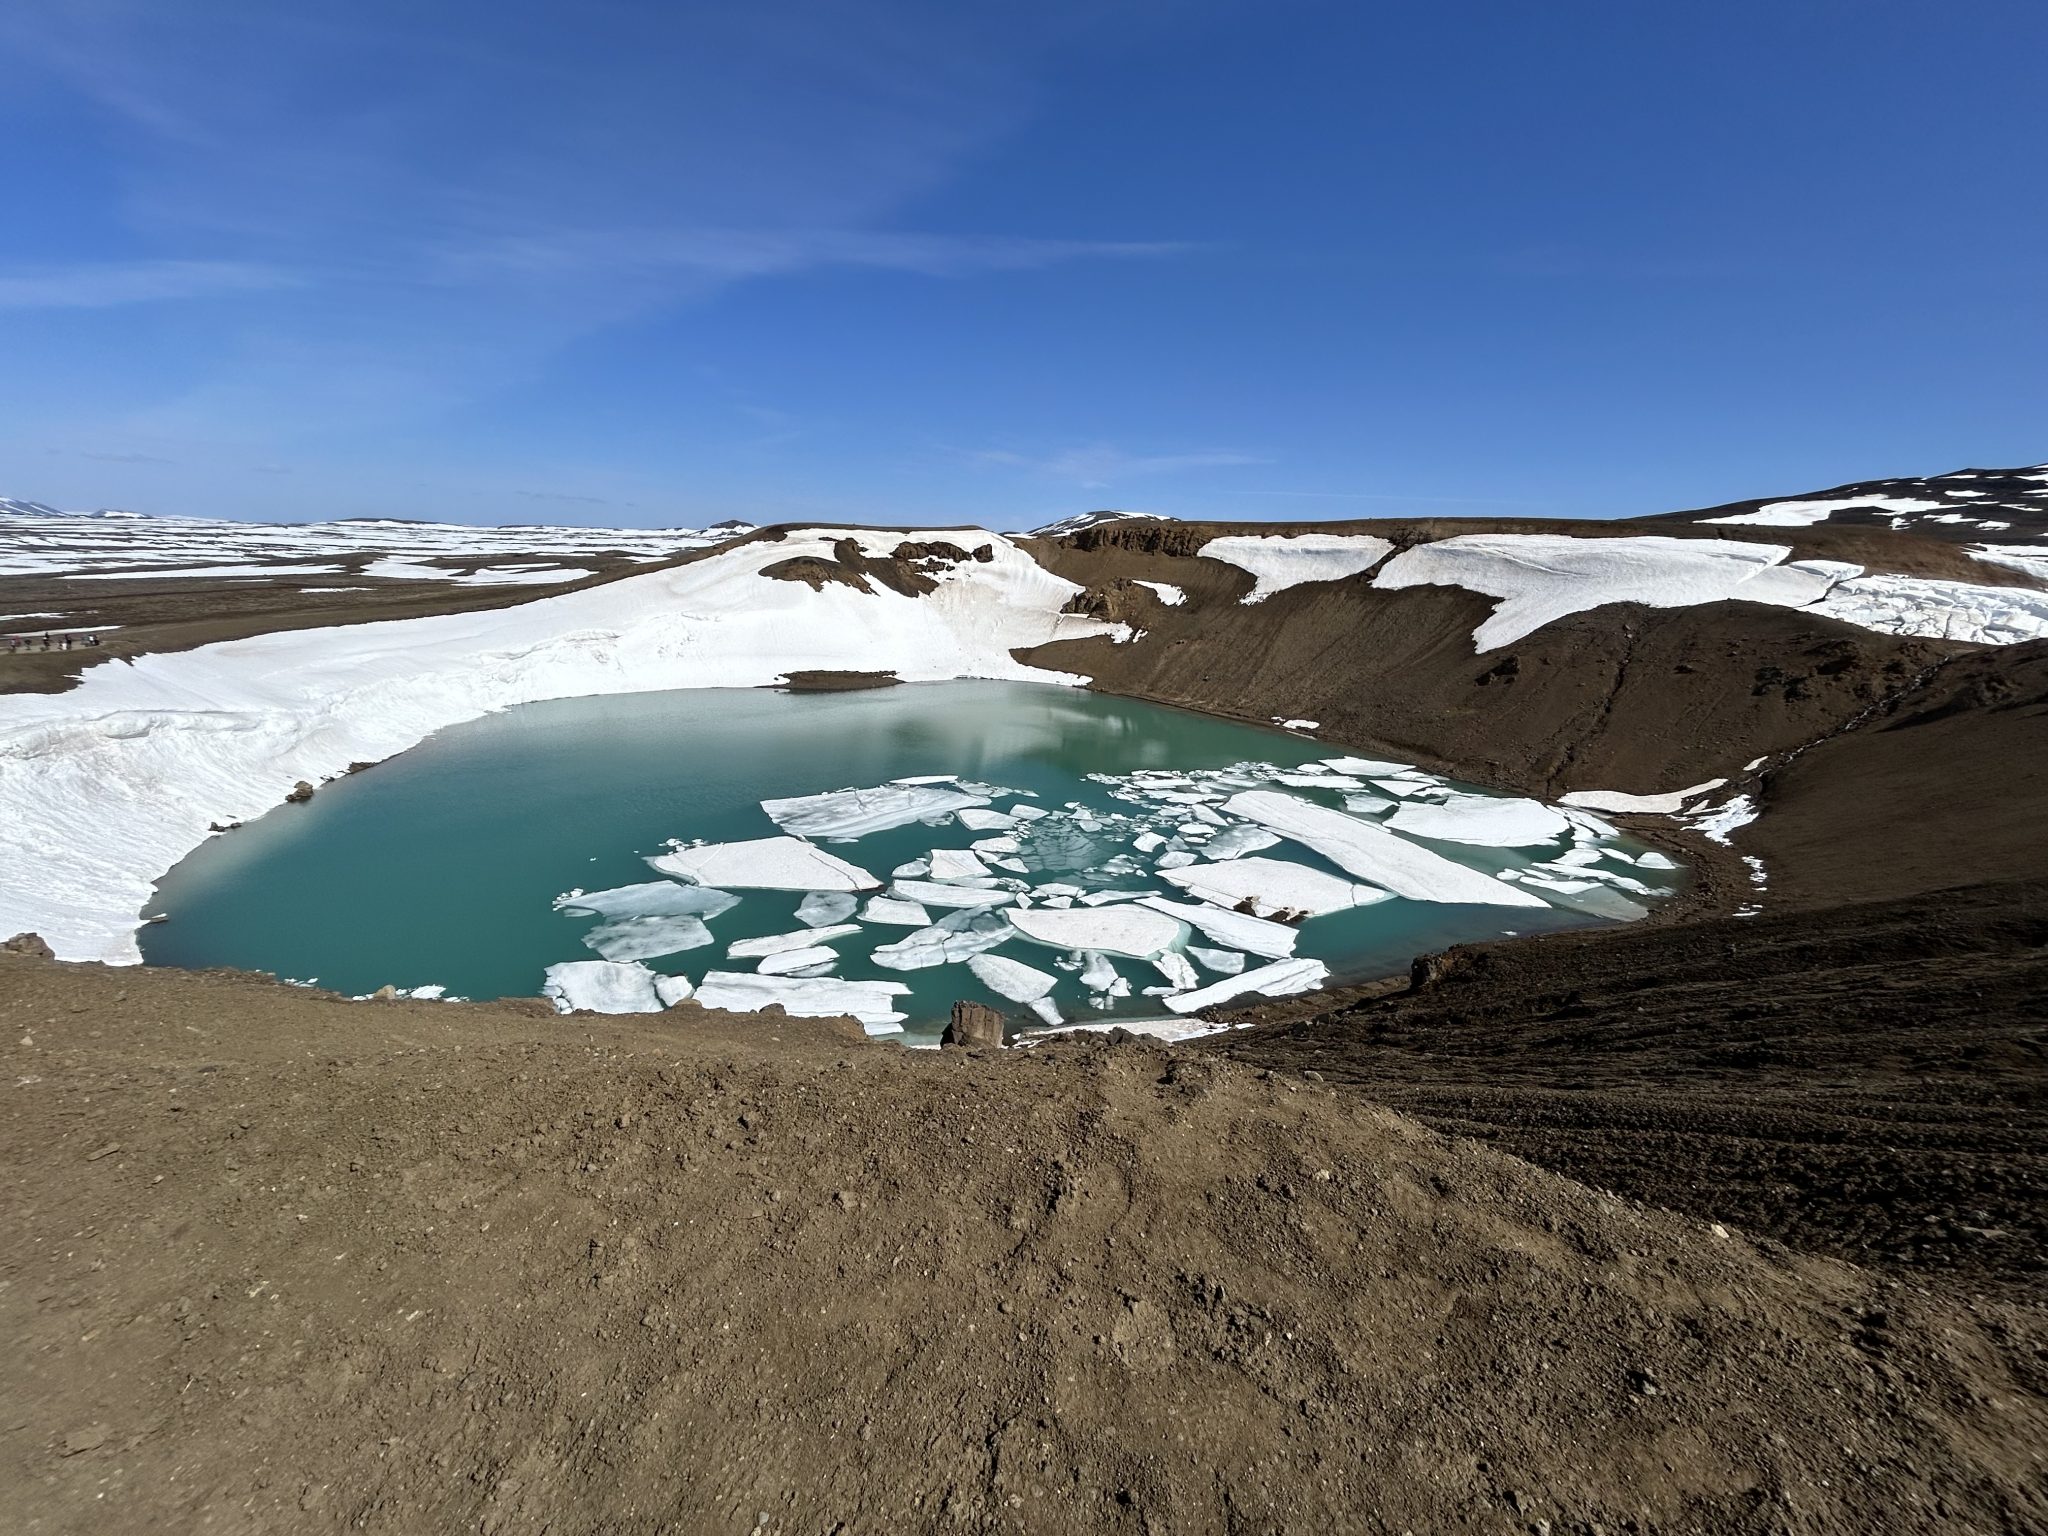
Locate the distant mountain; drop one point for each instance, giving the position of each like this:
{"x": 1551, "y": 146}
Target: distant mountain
{"x": 1082, "y": 520}
{"x": 11, "y": 507}
{"x": 1961, "y": 507}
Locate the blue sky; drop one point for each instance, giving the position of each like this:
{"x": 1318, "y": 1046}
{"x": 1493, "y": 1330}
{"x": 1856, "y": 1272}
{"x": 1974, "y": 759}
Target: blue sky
{"x": 909, "y": 262}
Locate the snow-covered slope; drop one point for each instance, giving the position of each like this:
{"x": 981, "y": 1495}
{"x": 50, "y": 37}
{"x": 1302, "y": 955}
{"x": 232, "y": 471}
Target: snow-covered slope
{"x": 1543, "y": 577}
{"x": 1964, "y": 505}
{"x": 1081, "y": 520}
{"x": 104, "y": 787}
{"x": 36, "y": 540}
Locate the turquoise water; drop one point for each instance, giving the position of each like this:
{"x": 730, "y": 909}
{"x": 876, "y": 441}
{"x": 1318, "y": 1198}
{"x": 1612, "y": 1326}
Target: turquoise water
{"x": 440, "y": 866}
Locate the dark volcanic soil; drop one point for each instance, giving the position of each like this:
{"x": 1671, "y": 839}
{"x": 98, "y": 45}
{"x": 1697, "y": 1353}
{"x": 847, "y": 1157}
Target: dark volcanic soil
{"x": 281, "y": 1262}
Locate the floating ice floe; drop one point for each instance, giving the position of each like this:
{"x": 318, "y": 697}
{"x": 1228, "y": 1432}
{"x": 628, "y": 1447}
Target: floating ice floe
{"x": 654, "y": 898}
{"x": 1366, "y": 767}
{"x": 1180, "y": 975}
{"x": 798, "y": 962}
{"x": 1482, "y": 820}
{"x": 1127, "y": 929}
{"x": 845, "y": 814}
{"x": 1225, "y": 962}
{"x": 953, "y": 938}
{"x": 1272, "y": 886}
{"x": 976, "y": 820}
{"x": 872, "y": 1002}
{"x": 643, "y": 938}
{"x": 601, "y": 986}
{"x": 893, "y": 913}
{"x": 1226, "y": 925}
{"x": 1646, "y": 805}
{"x": 1283, "y": 978}
{"x": 822, "y": 907}
{"x": 956, "y": 864}
{"x": 765, "y": 863}
{"x": 777, "y": 943}
{"x": 930, "y": 893}
{"x": 1010, "y": 978}
{"x": 1280, "y": 561}
{"x": 1368, "y": 850}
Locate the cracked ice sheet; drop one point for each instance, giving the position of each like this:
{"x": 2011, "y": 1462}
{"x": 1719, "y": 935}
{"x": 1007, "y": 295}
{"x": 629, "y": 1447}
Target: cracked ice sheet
{"x": 1235, "y": 928}
{"x": 643, "y": 938}
{"x": 845, "y": 814}
{"x": 1482, "y": 820}
{"x": 1123, "y": 929}
{"x": 765, "y": 863}
{"x": 952, "y": 938}
{"x": 1281, "y": 561}
{"x": 808, "y": 997}
{"x": 930, "y": 893}
{"x": 601, "y": 986}
{"x": 655, "y": 898}
{"x": 776, "y": 943}
{"x": 1272, "y": 885}
{"x": 1368, "y": 850}
{"x": 1283, "y": 978}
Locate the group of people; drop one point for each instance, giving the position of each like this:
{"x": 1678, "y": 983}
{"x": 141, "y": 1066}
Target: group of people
{"x": 50, "y": 642}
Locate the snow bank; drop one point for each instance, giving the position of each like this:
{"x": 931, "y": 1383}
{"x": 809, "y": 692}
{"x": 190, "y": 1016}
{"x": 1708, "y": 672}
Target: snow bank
{"x": 601, "y": 986}
{"x": 1540, "y": 578}
{"x": 1804, "y": 514}
{"x": 1167, "y": 593}
{"x": 819, "y": 997}
{"x": 1283, "y": 978}
{"x": 106, "y": 786}
{"x": 1648, "y": 805}
{"x": 1280, "y": 561}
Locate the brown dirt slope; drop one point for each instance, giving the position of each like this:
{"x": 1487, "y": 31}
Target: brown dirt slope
{"x": 1869, "y": 1081}
{"x": 280, "y": 1262}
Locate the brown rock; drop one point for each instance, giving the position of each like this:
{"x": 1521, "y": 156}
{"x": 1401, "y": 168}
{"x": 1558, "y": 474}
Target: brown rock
{"x": 301, "y": 793}
{"x": 31, "y": 944}
{"x": 972, "y": 1025}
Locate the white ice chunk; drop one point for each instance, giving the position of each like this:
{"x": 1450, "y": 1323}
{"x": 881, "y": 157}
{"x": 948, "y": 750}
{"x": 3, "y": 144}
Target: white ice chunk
{"x": 1369, "y": 767}
{"x": 655, "y": 898}
{"x": 642, "y": 938}
{"x": 822, "y": 907}
{"x": 1647, "y": 805}
{"x": 1367, "y": 805}
{"x": 1283, "y": 978}
{"x": 1482, "y": 820}
{"x": 872, "y": 1002}
{"x": 1179, "y": 974}
{"x": 888, "y": 910}
{"x": 1655, "y": 860}
{"x": 777, "y": 943}
{"x": 810, "y": 962}
{"x": 956, "y": 864}
{"x": 1098, "y": 974}
{"x": 1048, "y": 1011}
{"x": 601, "y": 986}
{"x": 765, "y": 863}
{"x": 993, "y": 845}
{"x": 1148, "y": 842}
{"x": 1280, "y": 561}
{"x": 1239, "y": 930}
{"x": 1369, "y": 851}
{"x": 916, "y": 869}
{"x": 851, "y": 813}
{"x": 1235, "y": 842}
{"x": 1178, "y": 858}
{"x": 975, "y": 820}
{"x": 672, "y": 989}
{"x": 952, "y": 938}
{"x": 1010, "y": 978}
{"x": 1225, "y": 962}
{"x": 931, "y": 894}
{"x": 1120, "y": 930}
{"x": 1272, "y": 886}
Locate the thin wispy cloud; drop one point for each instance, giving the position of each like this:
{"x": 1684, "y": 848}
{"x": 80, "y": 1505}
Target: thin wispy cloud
{"x": 566, "y": 496}
{"x": 1097, "y": 466}
{"x": 105, "y": 284}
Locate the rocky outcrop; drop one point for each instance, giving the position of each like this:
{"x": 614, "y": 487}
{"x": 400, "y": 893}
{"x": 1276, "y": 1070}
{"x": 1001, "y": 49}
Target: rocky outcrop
{"x": 301, "y": 793}
{"x": 30, "y": 944}
{"x": 974, "y": 1026}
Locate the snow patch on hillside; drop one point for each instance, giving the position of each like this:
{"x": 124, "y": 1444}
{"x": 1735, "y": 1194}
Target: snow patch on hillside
{"x": 110, "y": 784}
{"x": 1280, "y": 561}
